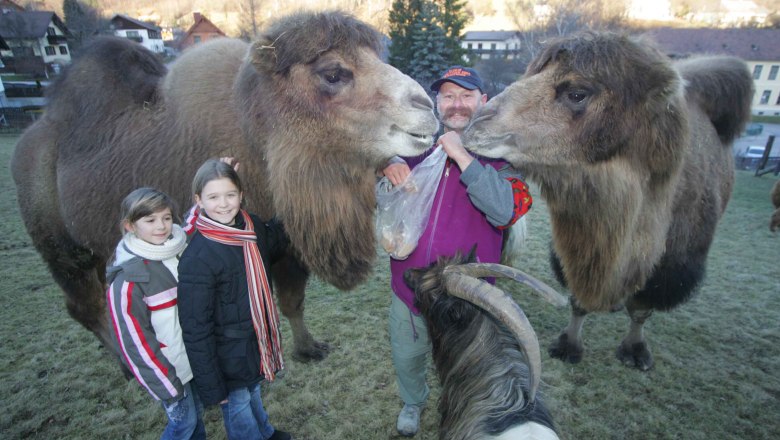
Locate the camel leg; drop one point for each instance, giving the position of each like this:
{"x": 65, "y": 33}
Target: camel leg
{"x": 569, "y": 347}
{"x": 633, "y": 350}
{"x": 290, "y": 282}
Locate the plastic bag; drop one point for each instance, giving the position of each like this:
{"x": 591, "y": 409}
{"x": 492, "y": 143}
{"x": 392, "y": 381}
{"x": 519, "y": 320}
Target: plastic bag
{"x": 404, "y": 210}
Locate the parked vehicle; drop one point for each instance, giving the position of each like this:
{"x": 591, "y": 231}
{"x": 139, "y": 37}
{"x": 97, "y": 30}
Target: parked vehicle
{"x": 749, "y": 158}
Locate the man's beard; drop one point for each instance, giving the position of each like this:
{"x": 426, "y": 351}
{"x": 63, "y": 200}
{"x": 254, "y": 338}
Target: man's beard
{"x": 459, "y": 124}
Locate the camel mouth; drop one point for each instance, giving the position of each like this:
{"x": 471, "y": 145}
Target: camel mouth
{"x": 484, "y": 145}
{"x": 420, "y": 138}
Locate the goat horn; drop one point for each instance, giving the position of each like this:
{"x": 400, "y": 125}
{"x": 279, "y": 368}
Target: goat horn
{"x": 481, "y": 270}
{"x": 499, "y": 304}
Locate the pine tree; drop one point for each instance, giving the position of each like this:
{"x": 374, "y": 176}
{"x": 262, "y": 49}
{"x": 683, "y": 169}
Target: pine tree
{"x": 408, "y": 19}
{"x": 402, "y": 17}
{"x": 453, "y": 20}
{"x": 82, "y": 20}
{"x": 429, "y": 46}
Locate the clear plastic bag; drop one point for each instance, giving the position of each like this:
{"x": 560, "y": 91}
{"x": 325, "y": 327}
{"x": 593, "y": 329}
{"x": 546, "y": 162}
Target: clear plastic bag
{"x": 403, "y": 210}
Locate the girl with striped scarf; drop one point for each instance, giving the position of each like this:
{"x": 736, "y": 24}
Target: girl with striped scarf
{"x": 227, "y": 312}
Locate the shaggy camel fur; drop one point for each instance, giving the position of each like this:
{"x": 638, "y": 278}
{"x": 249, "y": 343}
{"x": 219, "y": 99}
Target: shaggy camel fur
{"x": 632, "y": 154}
{"x": 309, "y": 110}
{"x": 774, "y": 223}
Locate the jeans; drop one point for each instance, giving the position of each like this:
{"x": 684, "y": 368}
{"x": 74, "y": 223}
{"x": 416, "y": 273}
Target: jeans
{"x": 185, "y": 417}
{"x": 244, "y": 415}
{"x": 410, "y": 346}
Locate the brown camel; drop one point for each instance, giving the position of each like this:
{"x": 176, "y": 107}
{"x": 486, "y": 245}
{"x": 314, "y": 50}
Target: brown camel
{"x": 633, "y": 156}
{"x": 309, "y": 110}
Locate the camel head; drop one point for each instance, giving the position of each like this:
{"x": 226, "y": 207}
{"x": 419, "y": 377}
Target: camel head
{"x": 583, "y": 101}
{"x": 326, "y": 78}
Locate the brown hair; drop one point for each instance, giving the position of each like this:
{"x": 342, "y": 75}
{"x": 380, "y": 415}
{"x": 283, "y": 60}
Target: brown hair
{"x": 214, "y": 169}
{"x": 142, "y": 202}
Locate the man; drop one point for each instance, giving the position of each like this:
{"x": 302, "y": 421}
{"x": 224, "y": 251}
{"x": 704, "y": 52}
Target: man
{"x": 476, "y": 199}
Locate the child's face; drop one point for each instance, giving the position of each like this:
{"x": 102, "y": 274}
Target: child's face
{"x": 154, "y": 228}
{"x": 220, "y": 200}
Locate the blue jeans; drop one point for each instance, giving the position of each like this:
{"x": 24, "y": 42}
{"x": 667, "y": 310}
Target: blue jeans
{"x": 185, "y": 417}
{"x": 244, "y": 415}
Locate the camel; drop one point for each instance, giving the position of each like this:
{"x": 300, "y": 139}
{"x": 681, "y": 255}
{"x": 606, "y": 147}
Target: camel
{"x": 309, "y": 110}
{"x": 632, "y": 154}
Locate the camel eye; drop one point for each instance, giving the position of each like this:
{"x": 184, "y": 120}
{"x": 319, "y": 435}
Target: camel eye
{"x": 577, "y": 96}
{"x": 332, "y": 77}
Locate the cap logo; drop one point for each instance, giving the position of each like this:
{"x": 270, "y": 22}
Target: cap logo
{"x": 456, "y": 72}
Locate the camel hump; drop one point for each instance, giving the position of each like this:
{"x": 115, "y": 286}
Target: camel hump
{"x": 130, "y": 71}
{"x": 723, "y": 88}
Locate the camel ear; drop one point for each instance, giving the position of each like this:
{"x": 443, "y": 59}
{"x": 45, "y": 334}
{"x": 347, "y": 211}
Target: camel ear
{"x": 263, "y": 55}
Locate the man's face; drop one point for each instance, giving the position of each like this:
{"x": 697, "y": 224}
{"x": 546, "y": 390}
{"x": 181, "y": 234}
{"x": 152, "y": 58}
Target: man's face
{"x": 456, "y": 105}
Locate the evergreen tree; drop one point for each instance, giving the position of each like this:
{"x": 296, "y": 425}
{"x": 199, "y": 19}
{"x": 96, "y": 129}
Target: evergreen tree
{"x": 429, "y": 46}
{"x": 401, "y": 18}
{"x": 411, "y": 20}
{"x": 82, "y": 20}
{"x": 454, "y": 18}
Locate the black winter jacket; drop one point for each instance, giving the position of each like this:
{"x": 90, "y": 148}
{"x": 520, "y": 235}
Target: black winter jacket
{"x": 214, "y": 310}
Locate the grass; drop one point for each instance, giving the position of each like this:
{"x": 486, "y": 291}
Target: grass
{"x": 715, "y": 375}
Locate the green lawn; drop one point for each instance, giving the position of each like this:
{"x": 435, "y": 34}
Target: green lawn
{"x": 716, "y": 373}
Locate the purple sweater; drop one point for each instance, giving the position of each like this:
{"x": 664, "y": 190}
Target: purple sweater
{"x": 456, "y": 223}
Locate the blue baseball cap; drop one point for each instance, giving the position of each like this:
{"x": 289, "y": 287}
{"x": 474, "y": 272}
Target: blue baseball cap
{"x": 465, "y": 77}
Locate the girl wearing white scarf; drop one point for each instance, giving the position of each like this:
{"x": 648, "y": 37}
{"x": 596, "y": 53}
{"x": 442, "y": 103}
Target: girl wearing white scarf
{"x": 142, "y": 303}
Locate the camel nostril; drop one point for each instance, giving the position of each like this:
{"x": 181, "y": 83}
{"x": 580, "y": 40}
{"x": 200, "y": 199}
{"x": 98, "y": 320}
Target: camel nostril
{"x": 422, "y": 102}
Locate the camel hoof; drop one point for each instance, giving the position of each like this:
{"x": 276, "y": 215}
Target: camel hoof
{"x": 316, "y": 352}
{"x": 566, "y": 351}
{"x": 635, "y": 355}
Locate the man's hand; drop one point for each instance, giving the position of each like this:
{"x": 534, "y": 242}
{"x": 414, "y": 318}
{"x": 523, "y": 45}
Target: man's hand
{"x": 452, "y": 145}
{"x": 397, "y": 173}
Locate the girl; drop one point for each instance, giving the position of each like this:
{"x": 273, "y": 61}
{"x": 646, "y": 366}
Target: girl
{"x": 227, "y": 313}
{"x": 141, "y": 301}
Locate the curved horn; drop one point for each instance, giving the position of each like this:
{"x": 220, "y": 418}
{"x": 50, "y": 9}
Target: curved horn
{"x": 499, "y": 304}
{"x": 480, "y": 270}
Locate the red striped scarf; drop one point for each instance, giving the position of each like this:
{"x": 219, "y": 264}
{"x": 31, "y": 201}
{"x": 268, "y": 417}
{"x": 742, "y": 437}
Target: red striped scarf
{"x": 260, "y": 298}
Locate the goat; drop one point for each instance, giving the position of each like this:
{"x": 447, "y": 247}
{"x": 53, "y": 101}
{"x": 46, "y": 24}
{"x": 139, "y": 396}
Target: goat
{"x": 485, "y": 351}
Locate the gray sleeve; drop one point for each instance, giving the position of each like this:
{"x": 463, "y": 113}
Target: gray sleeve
{"x": 490, "y": 192}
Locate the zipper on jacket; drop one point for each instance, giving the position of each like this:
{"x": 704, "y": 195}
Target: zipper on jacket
{"x": 438, "y": 209}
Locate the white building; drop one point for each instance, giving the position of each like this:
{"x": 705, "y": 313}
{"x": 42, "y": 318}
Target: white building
{"x": 37, "y": 42}
{"x": 149, "y": 35}
{"x": 489, "y": 44}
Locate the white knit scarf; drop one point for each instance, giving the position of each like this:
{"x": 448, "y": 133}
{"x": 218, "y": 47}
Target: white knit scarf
{"x": 157, "y": 252}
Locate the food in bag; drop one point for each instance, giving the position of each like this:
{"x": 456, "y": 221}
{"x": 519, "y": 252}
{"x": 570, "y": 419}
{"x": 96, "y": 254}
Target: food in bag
{"x": 403, "y": 210}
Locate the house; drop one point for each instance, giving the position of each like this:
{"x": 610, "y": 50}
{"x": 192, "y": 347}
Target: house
{"x": 202, "y": 30}
{"x": 37, "y": 42}
{"x": 491, "y": 44}
{"x": 760, "y": 48}
{"x": 148, "y": 35}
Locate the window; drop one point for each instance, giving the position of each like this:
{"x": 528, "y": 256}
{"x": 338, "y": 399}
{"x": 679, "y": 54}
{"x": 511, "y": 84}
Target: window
{"x": 154, "y": 35}
{"x": 778, "y": 99}
{"x": 492, "y": 46}
{"x": 133, "y": 34}
{"x": 196, "y": 38}
{"x": 469, "y": 46}
{"x": 50, "y": 50}
{"x": 63, "y": 50}
{"x": 757, "y": 71}
{"x": 479, "y": 46}
{"x": 51, "y": 31}
{"x": 773, "y": 72}
{"x": 765, "y": 97}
